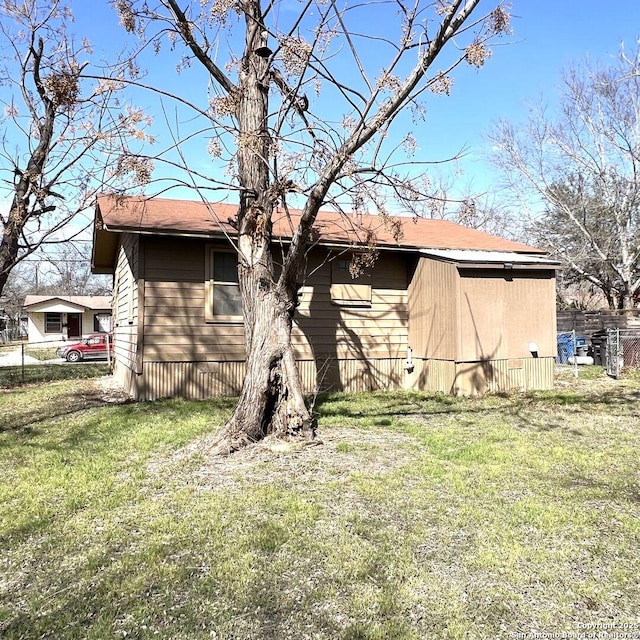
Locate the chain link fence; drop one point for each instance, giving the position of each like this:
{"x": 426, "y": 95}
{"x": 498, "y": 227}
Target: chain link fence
{"x": 22, "y": 362}
{"x": 613, "y": 349}
{"x": 567, "y": 347}
{"x": 622, "y": 351}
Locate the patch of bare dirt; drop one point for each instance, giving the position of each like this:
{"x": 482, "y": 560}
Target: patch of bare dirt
{"x": 108, "y": 390}
{"x": 337, "y": 453}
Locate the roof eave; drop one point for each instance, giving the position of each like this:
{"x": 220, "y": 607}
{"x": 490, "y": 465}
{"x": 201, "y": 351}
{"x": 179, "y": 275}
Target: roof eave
{"x": 54, "y": 306}
{"x": 519, "y": 266}
{"x": 221, "y": 235}
{"x": 518, "y": 262}
{"x": 104, "y": 247}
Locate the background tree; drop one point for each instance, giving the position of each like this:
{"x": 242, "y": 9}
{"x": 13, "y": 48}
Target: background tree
{"x": 63, "y": 134}
{"x": 575, "y": 245}
{"x": 301, "y": 103}
{"x": 469, "y": 207}
{"x": 12, "y": 302}
{"x": 66, "y": 270}
{"x": 582, "y": 168}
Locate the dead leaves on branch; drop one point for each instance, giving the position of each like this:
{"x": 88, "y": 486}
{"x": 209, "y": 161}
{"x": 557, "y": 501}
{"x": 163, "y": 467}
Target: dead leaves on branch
{"x": 63, "y": 87}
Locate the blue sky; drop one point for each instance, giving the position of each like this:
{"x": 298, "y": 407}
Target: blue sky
{"x": 525, "y": 68}
{"x": 547, "y": 35}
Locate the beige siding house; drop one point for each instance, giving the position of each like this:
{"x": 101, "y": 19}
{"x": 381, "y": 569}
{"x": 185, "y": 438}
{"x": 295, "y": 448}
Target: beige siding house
{"x": 59, "y": 318}
{"x": 443, "y": 307}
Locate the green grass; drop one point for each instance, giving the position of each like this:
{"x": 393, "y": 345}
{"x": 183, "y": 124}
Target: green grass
{"x": 419, "y": 516}
{"x": 41, "y": 352}
{"x": 32, "y": 373}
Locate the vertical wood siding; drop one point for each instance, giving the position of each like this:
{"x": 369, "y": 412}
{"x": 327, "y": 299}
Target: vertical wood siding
{"x": 502, "y": 312}
{"x": 433, "y": 316}
{"x": 199, "y": 380}
{"x": 503, "y": 375}
{"x": 191, "y": 380}
{"x": 473, "y": 378}
{"x": 209, "y": 379}
{"x": 432, "y": 375}
{"x": 359, "y": 375}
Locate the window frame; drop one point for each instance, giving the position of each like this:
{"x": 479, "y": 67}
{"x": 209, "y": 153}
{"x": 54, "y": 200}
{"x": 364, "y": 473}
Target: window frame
{"x": 210, "y": 283}
{"x": 96, "y": 322}
{"x": 46, "y": 321}
{"x": 342, "y": 282}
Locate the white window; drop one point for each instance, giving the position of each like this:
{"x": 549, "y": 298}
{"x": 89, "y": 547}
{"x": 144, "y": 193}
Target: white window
{"x": 223, "y": 301}
{"x": 102, "y": 322}
{"x": 53, "y": 323}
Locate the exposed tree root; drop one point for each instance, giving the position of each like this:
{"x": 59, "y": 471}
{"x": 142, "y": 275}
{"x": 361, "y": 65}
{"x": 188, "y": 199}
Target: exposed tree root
{"x": 277, "y": 411}
{"x": 229, "y": 442}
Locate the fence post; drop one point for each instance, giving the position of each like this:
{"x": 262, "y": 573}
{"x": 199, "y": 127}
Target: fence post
{"x": 575, "y": 354}
{"x": 613, "y": 355}
{"x": 22, "y": 359}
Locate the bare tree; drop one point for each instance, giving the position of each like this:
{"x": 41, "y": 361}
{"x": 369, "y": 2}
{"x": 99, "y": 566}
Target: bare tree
{"x": 446, "y": 199}
{"x": 62, "y": 138}
{"x": 584, "y": 267}
{"x": 12, "y": 301}
{"x": 581, "y": 167}
{"x": 66, "y": 270}
{"x": 302, "y": 111}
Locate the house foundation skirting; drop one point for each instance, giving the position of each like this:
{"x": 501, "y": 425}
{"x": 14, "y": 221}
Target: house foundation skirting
{"x": 200, "y": 380}
{"x": 473, "y": 378}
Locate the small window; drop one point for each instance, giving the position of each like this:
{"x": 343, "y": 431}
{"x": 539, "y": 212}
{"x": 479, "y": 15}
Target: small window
{"x": 223, "y": 292}
{"x": 347, "y": 291}
{"x": 53, "y": 323}
{"x": 102, "y": 322}
{"x": 342, "y": 267}
{"x": 225, "y": 267}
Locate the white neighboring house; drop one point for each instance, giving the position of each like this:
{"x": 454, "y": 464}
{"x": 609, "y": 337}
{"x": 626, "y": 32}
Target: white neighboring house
{"x": 60, "y": 318}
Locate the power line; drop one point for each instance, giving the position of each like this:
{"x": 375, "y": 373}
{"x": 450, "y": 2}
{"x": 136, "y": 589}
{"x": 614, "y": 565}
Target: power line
{"x": 53, "y": 259}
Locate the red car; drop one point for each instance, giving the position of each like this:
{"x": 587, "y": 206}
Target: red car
{"x": 92, "y": 347}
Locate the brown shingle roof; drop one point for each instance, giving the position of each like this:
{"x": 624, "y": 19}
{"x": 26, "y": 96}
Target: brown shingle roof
{"x": 185, "y": 217}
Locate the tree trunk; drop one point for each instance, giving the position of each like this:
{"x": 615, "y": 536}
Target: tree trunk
{"x": 272, "y": 400}
{"x": 8, "y": 250}
{"x": 611, "y": 300}
{"x": 16, "y": 221}
{"x": 625, "y": 299}
{"x": 27, "y": 187}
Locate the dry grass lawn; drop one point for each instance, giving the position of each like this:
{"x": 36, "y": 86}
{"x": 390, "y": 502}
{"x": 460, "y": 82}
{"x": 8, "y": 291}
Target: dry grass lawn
{"x": 414, "y": 516}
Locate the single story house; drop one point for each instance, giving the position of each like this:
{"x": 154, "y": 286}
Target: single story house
{"x": 444, "y": 307}
{"x": 58, "y": 318}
